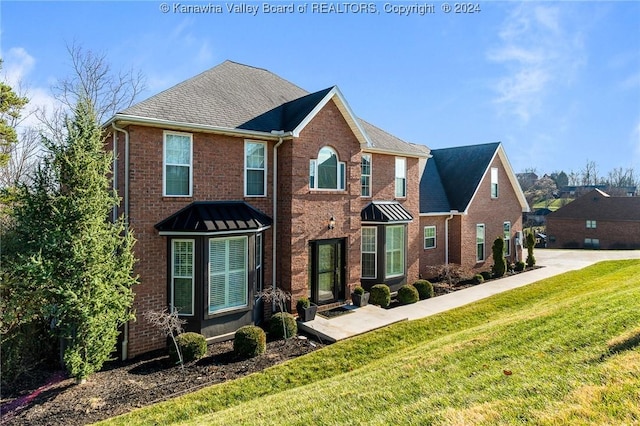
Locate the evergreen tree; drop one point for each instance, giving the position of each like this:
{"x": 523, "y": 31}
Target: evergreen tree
{"x": 71, "y": 258}
{"x": 531, "y": 242}
{"x": 10, "y": 107}
{"x": 499, "y": 262}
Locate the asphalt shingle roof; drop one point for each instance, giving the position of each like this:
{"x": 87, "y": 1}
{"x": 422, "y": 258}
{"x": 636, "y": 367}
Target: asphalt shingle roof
{"x": 597, "y": 205}
{"x": 452, "y": 176}
{"x": 237, "y": 96}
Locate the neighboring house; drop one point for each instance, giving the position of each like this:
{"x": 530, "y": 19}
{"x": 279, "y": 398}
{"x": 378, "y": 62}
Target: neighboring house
{"x": 469, "y": 197}
{"x": 578, "y": 191}
{"x": 237, "y": 180}
{"x": 537, "y": 217}
{"x": 596, "y": 220}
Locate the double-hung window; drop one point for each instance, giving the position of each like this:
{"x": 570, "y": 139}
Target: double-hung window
{"x": 480, "y": 242}
{"x": 177, "y": 180}
{"x": 507, "y": 238}
{"x": 255, "y": 169}
{"x": 394, "y": 247}
{"x": 182, "y": 290}
{"x": 591, "y": 224}
{"x": 429, "y": 237}
{"x": 327, "y": 172}
{"x": 401, "y": 177}
{"x": 228, "y": 281}
{"x": 365, "y": 178}
{"x": 368, "y": 250}
{"x": 494, "y": 182}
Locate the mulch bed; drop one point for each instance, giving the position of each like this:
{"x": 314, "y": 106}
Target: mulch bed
{"x": 49, "y": 398}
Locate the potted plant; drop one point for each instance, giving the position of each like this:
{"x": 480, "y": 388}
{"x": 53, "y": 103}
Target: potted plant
{"x": 306, "y": 310}
{"x": 359, "y": 297}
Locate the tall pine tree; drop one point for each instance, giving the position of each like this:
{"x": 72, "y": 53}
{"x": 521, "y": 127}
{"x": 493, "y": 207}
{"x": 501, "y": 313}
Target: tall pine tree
{"x": 76, "y": 262}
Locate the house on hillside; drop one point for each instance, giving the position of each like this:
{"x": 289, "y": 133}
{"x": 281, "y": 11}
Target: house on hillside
{"x": 596, "y": 220}
{"x": 469, "y": 196}
{"x": 236, "y": 181}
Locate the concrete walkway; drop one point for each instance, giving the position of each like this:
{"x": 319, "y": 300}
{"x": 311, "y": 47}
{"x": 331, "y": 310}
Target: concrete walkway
{"x": 369, "y": 318}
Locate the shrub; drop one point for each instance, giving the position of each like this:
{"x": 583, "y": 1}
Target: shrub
{"x": 302, "y": 303}
{"x": 408, "y": 294}
{"x": 478, "y": 279}
{"x": 192, "y": 345}
{"x": 499, "y": 262}
{"x": 486, "y": 275}
{"x": 519, "y": 266}
{"x": 250, "y": 341}
{"x": 380, "y": 295}
{"x": 531, "y": 242}
{"x": 425, "y": 289}
{"x": 282, "y": 325}
{"x": 358, "y": 290}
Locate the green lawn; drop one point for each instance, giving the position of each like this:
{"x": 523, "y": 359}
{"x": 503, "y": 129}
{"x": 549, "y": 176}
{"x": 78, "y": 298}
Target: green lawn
{"x": 552, "y": 205}
{"x": 560, "y": 351}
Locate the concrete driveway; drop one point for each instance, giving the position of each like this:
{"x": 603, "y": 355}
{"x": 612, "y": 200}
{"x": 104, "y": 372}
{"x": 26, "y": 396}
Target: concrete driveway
{"x": 362, "y": 320}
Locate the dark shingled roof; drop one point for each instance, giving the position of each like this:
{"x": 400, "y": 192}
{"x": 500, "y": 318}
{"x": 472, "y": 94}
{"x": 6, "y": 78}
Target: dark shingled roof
{"x": 385, "y": 212}
{"x": 215, "y": 216}
{"x": 452, "y": 176}
{"x": 236, "y": 96}
{"x": 597, "y": 205}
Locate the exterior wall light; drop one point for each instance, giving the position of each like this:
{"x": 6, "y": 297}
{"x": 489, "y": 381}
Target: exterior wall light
{"x": 332, "y": 222}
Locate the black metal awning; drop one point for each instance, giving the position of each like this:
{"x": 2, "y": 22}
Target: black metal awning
{"x": 215, "y": 217}
{"x": 385, "y": 212}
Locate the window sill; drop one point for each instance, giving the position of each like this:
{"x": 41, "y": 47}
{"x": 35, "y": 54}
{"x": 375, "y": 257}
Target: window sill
{"x": 231, "y": 311}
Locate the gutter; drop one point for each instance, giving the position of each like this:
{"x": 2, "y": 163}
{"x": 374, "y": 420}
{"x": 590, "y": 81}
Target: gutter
{"x": 125, "y": 332}
{"x": 446, "y": 236}
{"x": 179, "y": 125}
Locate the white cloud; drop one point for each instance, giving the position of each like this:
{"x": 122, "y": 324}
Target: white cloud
{"x": 538, "y": 50}
{"x": 18, "y": 67}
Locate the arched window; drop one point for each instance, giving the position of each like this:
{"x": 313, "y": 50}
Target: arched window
{"x": 327, "y": 172}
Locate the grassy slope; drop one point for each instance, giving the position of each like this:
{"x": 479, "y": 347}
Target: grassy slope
{"x": 569, "y": 342}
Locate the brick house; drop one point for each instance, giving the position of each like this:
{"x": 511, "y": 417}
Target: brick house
{"x": 596, "y": 220}
{"x": 237, "y": 179}
{"x": 469, "y": 196}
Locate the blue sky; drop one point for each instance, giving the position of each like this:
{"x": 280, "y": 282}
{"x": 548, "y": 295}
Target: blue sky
{"x": 557, "y": 82}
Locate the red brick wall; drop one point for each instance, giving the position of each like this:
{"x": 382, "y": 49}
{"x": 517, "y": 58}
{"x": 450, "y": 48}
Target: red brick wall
{"x": 570, "y": 233}
{"x": 493, "y": 212}
{"x": 218, "y": 174}
{"x": 433, "y": 256}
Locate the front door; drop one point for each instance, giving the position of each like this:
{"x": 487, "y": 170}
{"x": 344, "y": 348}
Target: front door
{"x": 327, "y": 271}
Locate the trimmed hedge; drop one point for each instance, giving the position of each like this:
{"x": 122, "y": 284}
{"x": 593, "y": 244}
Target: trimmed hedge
{"x": 380, "y": 295}
{"x": 249, "y": 341}
{"x": 486, "y": 275}
{"x": 192, "y": 345}
{"x": 478, "y": 279}
{"x": 276, "y": 328}
{"x": 425, "y": 289}
{"x": 519, "y": 266}
{"x": 408, "y": 294}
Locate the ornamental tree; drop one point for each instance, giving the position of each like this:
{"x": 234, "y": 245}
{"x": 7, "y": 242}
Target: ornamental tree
{"x": 499, "y": 262}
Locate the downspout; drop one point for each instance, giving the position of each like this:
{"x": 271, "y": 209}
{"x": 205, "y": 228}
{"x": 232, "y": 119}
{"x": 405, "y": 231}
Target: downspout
{"x": 125, "y": 332}
{"x": 446, "y": 236}
{"x": 274, "y": 227}
{"x": 115, "y": 174}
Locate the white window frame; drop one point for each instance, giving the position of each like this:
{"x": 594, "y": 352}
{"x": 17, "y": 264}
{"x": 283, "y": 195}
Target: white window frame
{"x": 430, "y": 227}
{"x": 165, "y": 164}
{"x": 506, "y": 228}
{"x": 174, "y": 276}
{"x": 247, "y": 169}
{"x": 495, "y": 190}
{"x": 481, "y": 257}
{"x": 245, "y": 278}
{"x": 592, "y": 224}
{"x": 365, "y": 177}
{"x": 401, "y": 250}
{"x": 341, "y": 168}
{"x": 374, "y": 252}
{"x": 401, "y": 177}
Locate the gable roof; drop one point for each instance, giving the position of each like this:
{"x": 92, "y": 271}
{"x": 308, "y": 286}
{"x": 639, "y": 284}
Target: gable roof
{"x": 240, "y": 99}
{"x": 452, "y": 176}
{"x": 598, "y": 205}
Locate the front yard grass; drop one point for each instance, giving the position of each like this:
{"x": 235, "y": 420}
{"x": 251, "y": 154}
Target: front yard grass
{"x": 560, "y": 351}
